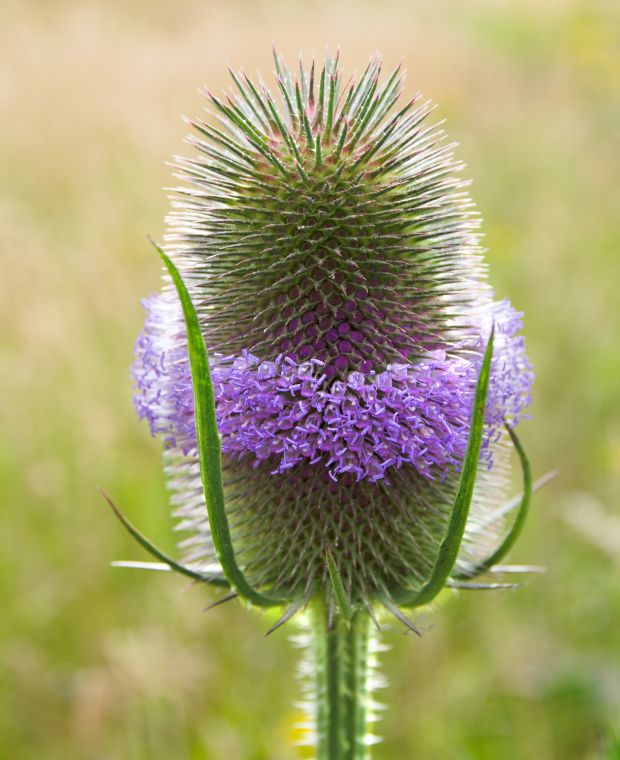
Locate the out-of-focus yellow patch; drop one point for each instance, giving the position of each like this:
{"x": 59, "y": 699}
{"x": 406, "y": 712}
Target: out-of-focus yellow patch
{"x": 298, "y": 734}
{"x": 591, "y": 45}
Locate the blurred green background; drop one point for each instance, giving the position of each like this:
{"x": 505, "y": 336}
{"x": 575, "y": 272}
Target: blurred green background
{"x": 107, "y": 663}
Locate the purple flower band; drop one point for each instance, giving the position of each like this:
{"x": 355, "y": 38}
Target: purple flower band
{"x": 365, "y": 423}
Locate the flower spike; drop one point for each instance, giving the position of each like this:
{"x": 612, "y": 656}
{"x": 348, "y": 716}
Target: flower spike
{"x": 346, "y": 311}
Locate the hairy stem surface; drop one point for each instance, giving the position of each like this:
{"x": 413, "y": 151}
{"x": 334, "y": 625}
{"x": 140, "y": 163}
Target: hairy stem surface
{"x": 341, "y": 657}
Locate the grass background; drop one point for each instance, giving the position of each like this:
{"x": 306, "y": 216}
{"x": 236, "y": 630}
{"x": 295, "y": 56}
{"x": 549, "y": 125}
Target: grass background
{"x": 103, "y": 663}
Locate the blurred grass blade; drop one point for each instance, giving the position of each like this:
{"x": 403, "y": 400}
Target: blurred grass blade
{"x": 449, "y": 547}
{"x": 209, "y": 445}
{"x": 519, "y": 521}
{"x": 158, "y": 554}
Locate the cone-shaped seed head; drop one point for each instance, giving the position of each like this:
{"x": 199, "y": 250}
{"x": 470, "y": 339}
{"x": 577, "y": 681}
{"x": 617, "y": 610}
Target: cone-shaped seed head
{"x": 333, "y": 257}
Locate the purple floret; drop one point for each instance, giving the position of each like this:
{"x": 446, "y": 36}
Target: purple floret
{"x": 407, "y": 414}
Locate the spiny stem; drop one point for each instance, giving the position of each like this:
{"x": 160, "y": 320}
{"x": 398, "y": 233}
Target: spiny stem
{"x": 341, "y": 657}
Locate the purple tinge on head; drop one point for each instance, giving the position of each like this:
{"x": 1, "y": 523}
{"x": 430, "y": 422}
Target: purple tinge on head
{"x": 290, "y": 412}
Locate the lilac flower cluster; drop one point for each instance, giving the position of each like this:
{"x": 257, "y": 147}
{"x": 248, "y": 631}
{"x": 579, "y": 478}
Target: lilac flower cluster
{"x": 364, "y": 423}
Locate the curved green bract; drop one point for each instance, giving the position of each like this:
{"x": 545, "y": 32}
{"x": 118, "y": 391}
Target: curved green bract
{"x": 209, "y": 447}
{"x": 212, "y": 580}
{"x": 519, "y": 521}
{"x": 451, "y": 543}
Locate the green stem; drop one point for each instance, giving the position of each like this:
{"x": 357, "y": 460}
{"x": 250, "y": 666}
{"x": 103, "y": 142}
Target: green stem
{"x": 341, "y": 657}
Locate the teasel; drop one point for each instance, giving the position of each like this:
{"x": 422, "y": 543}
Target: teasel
{"x": 335, "y": 384}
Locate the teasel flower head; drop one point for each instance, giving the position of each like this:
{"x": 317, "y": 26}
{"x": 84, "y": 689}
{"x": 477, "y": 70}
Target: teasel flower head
{"x": 361, "y": 367}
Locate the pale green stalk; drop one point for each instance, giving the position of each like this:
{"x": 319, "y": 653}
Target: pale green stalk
{"x": 341, "y": 652}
